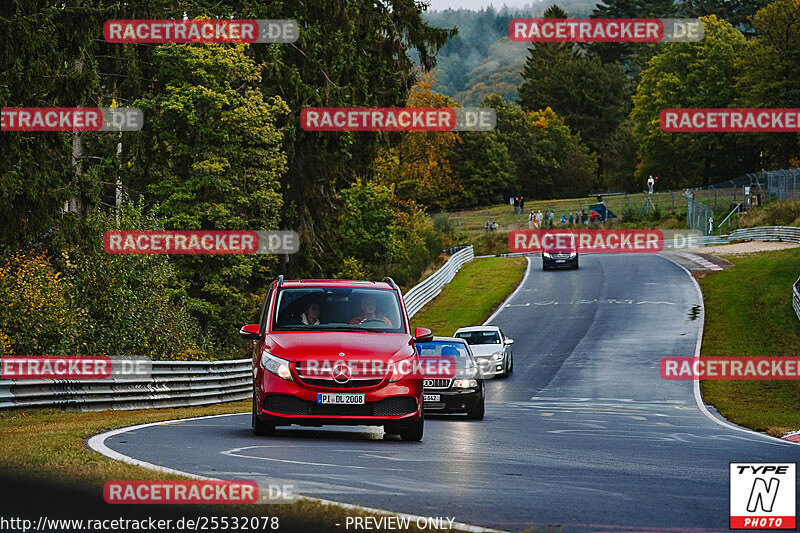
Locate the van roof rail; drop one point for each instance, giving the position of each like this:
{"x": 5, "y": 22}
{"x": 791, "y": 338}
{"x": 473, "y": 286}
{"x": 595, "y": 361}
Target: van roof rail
{"x": 391, "y": 282}
{"x": 280, "y": 280}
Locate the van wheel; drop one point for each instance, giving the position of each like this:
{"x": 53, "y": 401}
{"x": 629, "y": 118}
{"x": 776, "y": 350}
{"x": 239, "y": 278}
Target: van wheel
{"x": 413, "y": 432}
{"x": 260, "y": 428}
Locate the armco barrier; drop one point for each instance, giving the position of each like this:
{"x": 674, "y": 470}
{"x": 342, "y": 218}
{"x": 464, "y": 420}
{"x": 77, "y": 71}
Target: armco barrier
{"x": 180, "y": 383}
{"x": 419, "y": 295}
{"x": 172, "y": 384}
{"x": 796, "y": 298}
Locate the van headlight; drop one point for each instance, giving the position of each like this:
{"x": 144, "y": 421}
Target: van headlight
{"x": 276, "y": 365}
{"x": 402, "y": 368}
{"x": 464, "y": 383}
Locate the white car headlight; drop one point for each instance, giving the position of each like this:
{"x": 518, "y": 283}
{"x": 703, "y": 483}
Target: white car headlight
{"x": 276, "y": 365}
{"x": 464, "y": 383}
{"x": 497, "y": 356}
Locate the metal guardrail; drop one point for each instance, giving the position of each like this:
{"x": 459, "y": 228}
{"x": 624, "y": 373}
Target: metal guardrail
{"x": 796, "y": 298}
{"x": 172, "y": 384}
{"x": 419, "y": 295}
{"x": 181, "y": 383}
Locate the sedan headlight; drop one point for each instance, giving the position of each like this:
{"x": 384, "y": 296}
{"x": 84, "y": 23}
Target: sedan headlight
{"x": 464, "y": 383}
{"x": 545, "y": 254}
{"x": 497, "y": 356}
{"x": 276, "y": 365}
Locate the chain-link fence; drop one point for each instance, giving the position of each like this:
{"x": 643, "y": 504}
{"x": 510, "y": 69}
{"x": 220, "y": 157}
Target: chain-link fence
{"x": 699, "y": 216}
{"x": 784, "y": 184}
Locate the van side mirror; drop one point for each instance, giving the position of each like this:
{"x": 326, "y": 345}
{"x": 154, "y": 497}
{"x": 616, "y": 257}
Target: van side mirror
{"x": 250, "y": 331}
{"x": 423, "y": 335}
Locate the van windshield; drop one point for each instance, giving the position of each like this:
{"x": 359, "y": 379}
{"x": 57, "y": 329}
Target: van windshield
{"x": 338, "y": 308}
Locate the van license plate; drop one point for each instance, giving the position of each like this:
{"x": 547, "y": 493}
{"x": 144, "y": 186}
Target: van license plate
{"x": 340, "y": 399}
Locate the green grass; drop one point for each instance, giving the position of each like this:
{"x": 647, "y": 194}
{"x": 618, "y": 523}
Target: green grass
{"x": 476, "y": 291}
{"x": 771, "y": 213}
{"x": 48, "y": 446}
{"x": 749, "y": 312}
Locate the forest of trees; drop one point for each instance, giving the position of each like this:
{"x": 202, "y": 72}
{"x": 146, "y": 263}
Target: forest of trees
{"x": 610, "y": 94}
{"x": 222, "y": 147}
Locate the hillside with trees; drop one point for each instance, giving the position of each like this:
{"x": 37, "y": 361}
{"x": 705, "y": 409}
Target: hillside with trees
{"x": 222, "y": 147}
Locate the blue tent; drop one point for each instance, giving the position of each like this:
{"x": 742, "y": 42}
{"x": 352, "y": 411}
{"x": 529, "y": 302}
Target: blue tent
{"x": 602, "y": 211}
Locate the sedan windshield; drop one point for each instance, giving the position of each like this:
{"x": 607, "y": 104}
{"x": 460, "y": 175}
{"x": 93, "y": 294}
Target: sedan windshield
{"x": 465, "y": 362}
{"x": 480, "y": 337}
{"x": 338, "y": 309}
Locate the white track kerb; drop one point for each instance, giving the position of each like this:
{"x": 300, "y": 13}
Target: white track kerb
{"x": 698, "y": 397}
{"x": 98, "y": 444}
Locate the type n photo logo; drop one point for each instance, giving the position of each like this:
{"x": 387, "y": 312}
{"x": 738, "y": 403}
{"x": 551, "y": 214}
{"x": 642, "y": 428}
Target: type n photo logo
{"x": 763, "y": 495}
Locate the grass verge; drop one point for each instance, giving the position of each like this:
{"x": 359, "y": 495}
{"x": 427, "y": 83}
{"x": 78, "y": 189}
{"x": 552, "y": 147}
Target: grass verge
{"x": 485, "y": 282}
{"x": 749, "y": 312}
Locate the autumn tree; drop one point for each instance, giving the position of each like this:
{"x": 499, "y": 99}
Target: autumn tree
{"x": 549, "y": 159}
{"x": 418, "y": 167}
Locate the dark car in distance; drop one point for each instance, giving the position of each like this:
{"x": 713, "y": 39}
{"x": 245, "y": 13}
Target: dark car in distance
{"x": 563, "y": 253}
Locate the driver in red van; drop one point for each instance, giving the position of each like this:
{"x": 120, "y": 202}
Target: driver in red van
{"x": 369, "y": 309}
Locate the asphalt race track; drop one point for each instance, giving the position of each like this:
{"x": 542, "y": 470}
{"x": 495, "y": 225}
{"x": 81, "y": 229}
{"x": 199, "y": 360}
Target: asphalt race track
{"x": 584, "y": 433}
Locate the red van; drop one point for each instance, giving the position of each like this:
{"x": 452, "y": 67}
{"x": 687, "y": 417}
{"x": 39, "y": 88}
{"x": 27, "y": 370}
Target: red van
{"x": 336, "y": 352}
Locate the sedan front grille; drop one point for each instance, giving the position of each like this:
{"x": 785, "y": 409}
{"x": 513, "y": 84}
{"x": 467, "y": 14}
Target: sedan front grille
{"x": 437, "y": 383}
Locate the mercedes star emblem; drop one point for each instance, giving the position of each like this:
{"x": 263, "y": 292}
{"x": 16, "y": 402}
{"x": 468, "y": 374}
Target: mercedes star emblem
{"x": 341, "y": 372}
